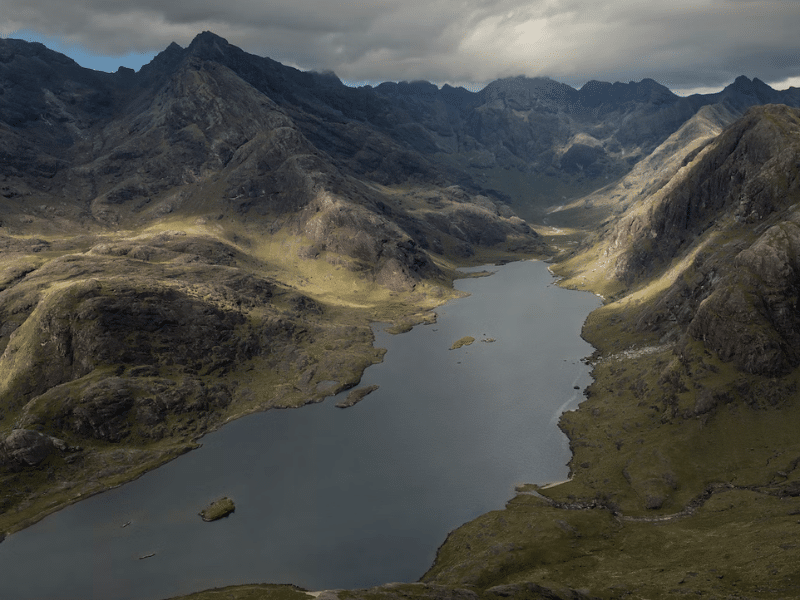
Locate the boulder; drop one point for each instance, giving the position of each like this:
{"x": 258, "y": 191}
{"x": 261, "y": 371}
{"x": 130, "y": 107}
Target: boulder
{"x": 27, "y": 448}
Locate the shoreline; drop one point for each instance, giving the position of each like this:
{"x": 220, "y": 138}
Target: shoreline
{"x": 311, "y": 401}
{"x": 416, "y": 313}
{"x": 553, "y": 484}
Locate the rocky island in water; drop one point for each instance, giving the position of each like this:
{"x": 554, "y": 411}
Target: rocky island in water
{"x": 218, "y": 509}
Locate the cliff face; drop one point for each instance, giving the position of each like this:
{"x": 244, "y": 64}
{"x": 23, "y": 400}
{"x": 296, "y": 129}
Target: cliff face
{"x": 751, "y": 316}
{"x": 748, "y": 174}
{"x": 734, "y": 211}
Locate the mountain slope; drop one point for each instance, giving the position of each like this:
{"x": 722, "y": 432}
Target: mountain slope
{"x": 651, "y": 173}
{"x": 176, "y": 253}
{"x": 513, "y": 133}
{"x": 722, "y": 230}
{"x": 687, "y": 436}
{"x": 192, "y": 136}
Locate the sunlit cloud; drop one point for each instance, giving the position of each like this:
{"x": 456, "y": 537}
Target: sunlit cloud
{"x": 685, "y": 45}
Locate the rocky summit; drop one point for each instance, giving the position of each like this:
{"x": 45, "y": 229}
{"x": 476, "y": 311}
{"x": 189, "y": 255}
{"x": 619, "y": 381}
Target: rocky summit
{"x": 213, "y": 235}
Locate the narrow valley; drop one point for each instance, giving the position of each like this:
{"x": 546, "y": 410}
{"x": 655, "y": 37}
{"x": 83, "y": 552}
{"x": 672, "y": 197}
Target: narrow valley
{"x": 215, "y": 234}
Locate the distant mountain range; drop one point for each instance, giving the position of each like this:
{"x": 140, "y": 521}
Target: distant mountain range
{"x": 514, "y": 132}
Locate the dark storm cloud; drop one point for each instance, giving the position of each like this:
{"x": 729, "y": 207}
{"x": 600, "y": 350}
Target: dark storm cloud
{"x": 681, "y": 44}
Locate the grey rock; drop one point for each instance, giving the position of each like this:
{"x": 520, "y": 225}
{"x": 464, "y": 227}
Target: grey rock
{"x": 27, "y": 448}
{"x": 357, "y": 395}
{"x": 739, "y": 298}
{"x": 534, "y": 591}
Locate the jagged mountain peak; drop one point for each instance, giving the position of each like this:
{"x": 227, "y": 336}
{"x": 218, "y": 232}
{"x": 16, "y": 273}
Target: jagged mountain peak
{"x": 30, "y": 60}
{"x": 205, "y": 46}
{"x": 164, "y": 61}
{"x": 209, "y": 45}
{"x": 173, "y": 48}
{"x": 208, "y": 37}
{"x": 519, "y": 83}
{"x": 11, "y": 48}
{"x": 527, "y": 82}
{"x": 744, "y": 83}
{"x": 647, "y": 90}
{"x": 745, "y": 89}
{"x": 523, "y": 92}
{"x": 408, "y": 88}
{"x": 327, "y": 78}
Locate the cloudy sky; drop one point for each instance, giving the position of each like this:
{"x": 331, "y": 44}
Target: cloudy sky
{"x": 684, "y": 44}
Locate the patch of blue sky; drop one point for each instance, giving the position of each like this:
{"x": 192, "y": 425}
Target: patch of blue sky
{"x": 83, "y": 56}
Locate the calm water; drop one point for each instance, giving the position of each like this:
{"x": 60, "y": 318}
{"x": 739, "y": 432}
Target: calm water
{"x": 331, "y": 498}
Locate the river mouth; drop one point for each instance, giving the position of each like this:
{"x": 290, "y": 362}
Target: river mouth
{"x": 341, "y": 498}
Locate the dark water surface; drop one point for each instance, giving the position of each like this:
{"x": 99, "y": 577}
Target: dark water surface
{"x": 331, "y": 498}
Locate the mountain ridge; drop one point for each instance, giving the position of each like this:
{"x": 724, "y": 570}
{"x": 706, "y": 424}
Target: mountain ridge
{"x": 426, "y": 130}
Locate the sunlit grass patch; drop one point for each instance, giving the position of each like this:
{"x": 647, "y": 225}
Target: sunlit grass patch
{"x": 461, "y": 342}
{"x": 219, "y": 509}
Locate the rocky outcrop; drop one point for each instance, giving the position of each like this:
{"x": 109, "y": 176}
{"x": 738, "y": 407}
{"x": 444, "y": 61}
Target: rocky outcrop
{"x": 751, "y": 316}
{"x": 749, "y": 173}
{"x": 219, "y": 509}
{"x": 96, "y": 323}
{"x": 536, "y": 591}
{"x": 734, "y": 208}
{"x": 467, "y": 340}
{"x": 24, "y": 448}
{"x": 133, "y": 338}
{"x": 357, "y": 395}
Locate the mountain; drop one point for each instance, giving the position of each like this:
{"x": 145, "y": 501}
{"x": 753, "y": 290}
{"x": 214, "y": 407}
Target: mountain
{"x": 687, "y": 435}
{"x": 214, "y": 234}
{"x": 167, "y": 128}
{"x": 738, "y": 297}
{"x": 540, "y": 142}
{"x": 494, "y": 142}
{"x": 172, "y": 241}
